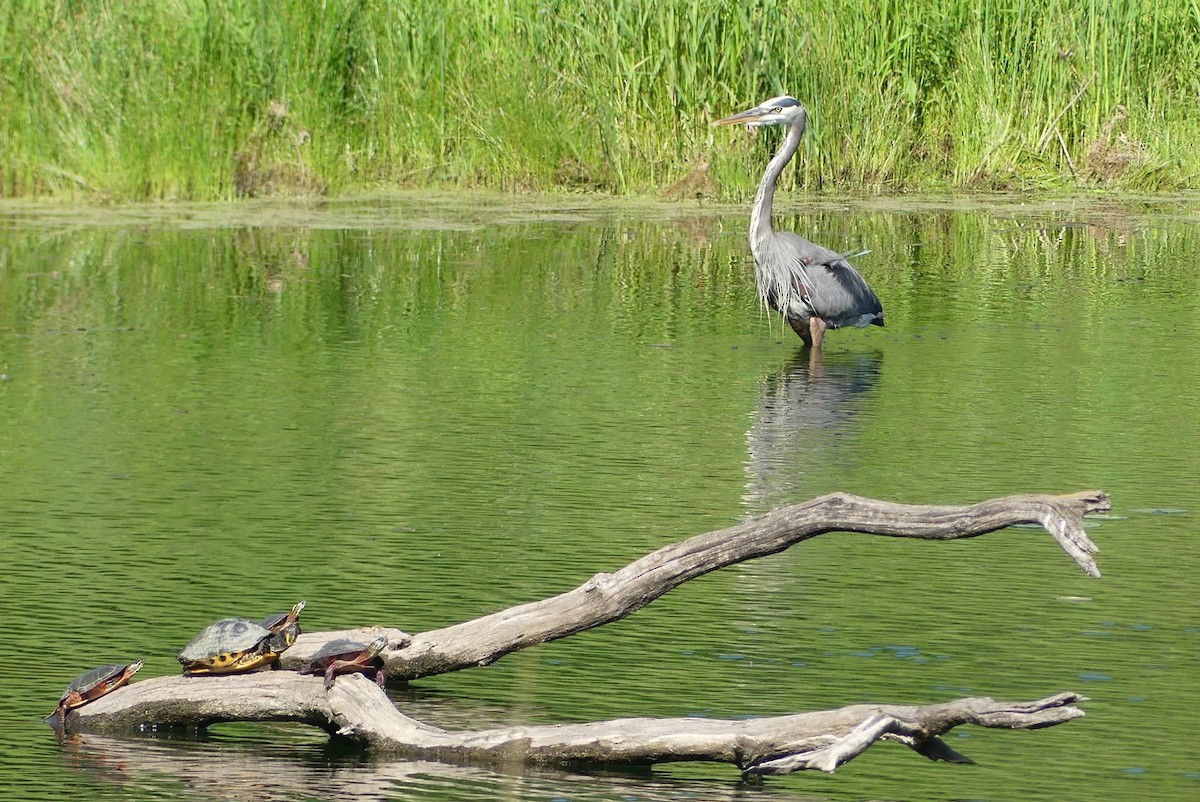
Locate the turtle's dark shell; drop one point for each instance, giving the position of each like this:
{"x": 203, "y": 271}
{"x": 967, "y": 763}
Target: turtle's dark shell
{"x": 231, "y": 644}
{"x": 340, "y": 649}
{"x": 274, "y": 621}
{"x": 85, "y": 683}
{"x": 227, "y": 636}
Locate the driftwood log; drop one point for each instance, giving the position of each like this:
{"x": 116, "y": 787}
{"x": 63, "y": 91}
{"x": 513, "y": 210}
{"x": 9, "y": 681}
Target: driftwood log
{"x": 356, "y": 708}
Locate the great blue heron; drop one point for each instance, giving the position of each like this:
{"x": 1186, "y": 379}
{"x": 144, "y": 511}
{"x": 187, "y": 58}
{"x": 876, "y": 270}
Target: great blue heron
{"x": 813, "y": 287}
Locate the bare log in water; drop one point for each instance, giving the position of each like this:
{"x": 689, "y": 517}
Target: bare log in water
{"x": 356, "y": 708}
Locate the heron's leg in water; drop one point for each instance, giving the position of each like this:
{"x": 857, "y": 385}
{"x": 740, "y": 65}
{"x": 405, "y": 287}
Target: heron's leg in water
{"x": 817, "y": 327}
{"x": 801, "y": 328}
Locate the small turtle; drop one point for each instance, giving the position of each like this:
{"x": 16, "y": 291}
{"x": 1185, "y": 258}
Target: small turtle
{"x": 91, "y": 686}
{"x": 285, "y": 622}
{"x": 344, "y": 656}
{"x": 239, "y": 644}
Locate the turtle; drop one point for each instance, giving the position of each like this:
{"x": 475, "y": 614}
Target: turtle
{"x": 344, "y": 656}
{"x": 279, "y": 622}
{"x": 239, "y": 644}
{"x": 91, "y": 686}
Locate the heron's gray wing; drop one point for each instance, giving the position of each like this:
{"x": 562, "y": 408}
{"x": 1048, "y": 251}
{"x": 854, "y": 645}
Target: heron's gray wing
{"x": 830, "y": 285}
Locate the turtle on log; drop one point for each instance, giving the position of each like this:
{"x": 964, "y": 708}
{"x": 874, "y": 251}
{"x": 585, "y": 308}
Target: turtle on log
{"x": 344, "y": 656}
{"x": 91, "y": 686}
{"x": 238, "y": 644}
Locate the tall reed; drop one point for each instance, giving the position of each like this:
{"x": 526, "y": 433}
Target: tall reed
{"x": 212, "y": 98}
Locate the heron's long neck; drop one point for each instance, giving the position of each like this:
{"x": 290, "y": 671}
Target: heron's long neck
{"x": 760, "y": 215}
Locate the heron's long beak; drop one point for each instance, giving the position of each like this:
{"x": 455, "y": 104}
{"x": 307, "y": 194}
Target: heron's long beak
{"x": 747, "y": 116}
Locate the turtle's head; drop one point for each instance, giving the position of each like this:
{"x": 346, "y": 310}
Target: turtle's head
{"x": 297, "y": 608}
{"x": 133, "y": 668}
{"x": 376, "y": 647}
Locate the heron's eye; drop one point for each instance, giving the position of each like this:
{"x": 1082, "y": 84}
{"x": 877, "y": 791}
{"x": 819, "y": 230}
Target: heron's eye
{"x": 777, "y": 109}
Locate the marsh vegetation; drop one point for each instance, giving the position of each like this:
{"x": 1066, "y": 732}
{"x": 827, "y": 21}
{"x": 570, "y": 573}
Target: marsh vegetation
{"x": 214, "y": 100}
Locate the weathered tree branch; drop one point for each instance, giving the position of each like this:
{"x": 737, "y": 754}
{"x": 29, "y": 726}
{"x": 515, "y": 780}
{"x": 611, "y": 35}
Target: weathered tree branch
{"x": 609, "y": 597}
{"x": 356, "y": 708}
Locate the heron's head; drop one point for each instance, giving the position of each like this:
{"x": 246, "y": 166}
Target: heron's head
{"x": 782, "y": 110}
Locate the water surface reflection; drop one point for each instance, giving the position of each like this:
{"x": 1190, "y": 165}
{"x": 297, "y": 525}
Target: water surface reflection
{"x": 248, "y": 771}
{"x": 409, "y": 421}
{"x": 805, "y": 422}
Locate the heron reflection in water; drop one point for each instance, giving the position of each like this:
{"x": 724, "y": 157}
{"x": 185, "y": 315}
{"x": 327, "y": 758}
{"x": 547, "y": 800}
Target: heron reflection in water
{"x": 813, "y": 287}
{"x": 805, "y": 428}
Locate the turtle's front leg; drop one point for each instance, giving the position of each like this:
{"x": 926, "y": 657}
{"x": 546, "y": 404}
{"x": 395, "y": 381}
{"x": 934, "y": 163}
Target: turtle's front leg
{"x": 331, "y": 672}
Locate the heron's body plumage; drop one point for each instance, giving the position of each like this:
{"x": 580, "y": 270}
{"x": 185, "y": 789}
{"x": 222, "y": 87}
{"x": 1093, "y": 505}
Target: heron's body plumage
{"x": 825, "y": 284}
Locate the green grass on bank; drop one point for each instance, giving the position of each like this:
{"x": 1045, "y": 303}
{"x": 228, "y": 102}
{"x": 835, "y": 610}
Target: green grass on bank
{"x": 203, "y": 99}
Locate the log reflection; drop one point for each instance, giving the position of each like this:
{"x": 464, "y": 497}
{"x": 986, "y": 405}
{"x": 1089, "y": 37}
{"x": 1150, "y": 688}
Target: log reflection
{"x": 177, "y": 764}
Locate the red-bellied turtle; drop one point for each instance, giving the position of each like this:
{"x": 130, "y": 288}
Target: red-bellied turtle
{"x": 91, "y": 686}
{"x": 239, "y": 644}
{"x": 344, "y": 656}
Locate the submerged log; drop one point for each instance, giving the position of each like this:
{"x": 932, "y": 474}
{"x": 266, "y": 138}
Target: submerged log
{"x": 356, "y": 708}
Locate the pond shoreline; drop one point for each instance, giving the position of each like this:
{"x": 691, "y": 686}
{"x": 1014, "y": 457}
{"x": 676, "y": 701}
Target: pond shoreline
{"x": 472, "y": 209}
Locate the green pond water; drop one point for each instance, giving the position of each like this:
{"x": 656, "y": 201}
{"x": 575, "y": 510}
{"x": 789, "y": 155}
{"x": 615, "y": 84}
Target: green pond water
{"x": 412, "y": 412}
